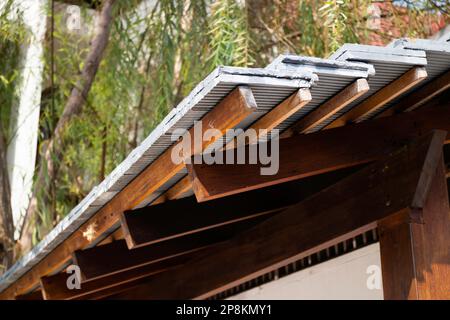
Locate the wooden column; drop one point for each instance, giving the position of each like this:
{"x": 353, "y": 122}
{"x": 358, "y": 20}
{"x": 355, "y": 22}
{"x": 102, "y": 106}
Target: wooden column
{"x": 415, "y": 255}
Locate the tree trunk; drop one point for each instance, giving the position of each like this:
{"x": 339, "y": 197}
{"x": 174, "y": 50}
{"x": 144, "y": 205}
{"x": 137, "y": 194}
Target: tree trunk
{"x": 6, "y": 217}
{"x": 74, "y": 106}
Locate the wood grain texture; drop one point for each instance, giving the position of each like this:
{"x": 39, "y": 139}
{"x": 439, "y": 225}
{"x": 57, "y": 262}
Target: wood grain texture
{"x": 331, "y": 107}
{"x": 269, "y": 121}
{"x": 307, "y": 155}
{"x": 55, "y": 287}
{"x": 381, "y": 97}
{"x": 273, "y": 118}
{"x": 235, "y": 107}
{"x": 351, "y": 206}
{"x": 420, "y": 97}
{"x": 170, "y": 220}
{"x": 415, "y": 256}
{"x": 35, "y": 295}
{"x": 116, "y": 257}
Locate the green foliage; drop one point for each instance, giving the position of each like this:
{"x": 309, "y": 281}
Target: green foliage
{"x": 229, "y": 34}
{"x": 12, "y": 34}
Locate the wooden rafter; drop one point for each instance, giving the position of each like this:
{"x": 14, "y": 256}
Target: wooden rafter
{"x": 55, "y": 287}
{"x": 114, "y": 264}
{"x": 234, "y": 108}
{"x": 269, "y": 121}
{"x": 354, "y": 205}
{"x": 306, "y": 155}
{"x": 420, "y": 97}
{"x": 116, "y": 257}
{"x": 35, "y": 295}
{"x": 330, "y": 107}
{"x": 110, "y": 268}
{"x": 381, "y": 97}
{"x": 154, "y": 224}
{"x": 275, "y": 117}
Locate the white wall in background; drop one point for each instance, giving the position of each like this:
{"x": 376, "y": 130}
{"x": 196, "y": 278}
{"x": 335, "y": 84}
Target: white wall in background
{"x": 344, "y": 277}
{"x": 22, "y": 147}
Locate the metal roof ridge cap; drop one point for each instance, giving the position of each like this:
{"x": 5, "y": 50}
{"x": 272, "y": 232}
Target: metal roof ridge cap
{"x": 322, "y": 62}
{"x": 264, "y": 72}
{"x": 423, "y": 44}
{"x": 371, "y": 49}
{"x": 320, "y": 65}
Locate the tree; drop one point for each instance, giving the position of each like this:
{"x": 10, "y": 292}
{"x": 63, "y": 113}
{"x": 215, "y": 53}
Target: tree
{"x": 12, "y": 33}
{"x": 74, "y": 107}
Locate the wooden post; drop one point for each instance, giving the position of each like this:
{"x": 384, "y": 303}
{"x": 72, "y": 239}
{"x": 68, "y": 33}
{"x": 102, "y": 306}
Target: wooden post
{"x": 415, "y": 255}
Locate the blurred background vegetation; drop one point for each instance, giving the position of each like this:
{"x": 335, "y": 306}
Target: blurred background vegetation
{"x": 157, "y": 55}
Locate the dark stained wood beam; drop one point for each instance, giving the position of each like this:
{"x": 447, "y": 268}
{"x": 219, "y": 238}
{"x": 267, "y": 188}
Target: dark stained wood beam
{"x": 421, "y": 96}
{"x": 55, "y": 287}
{"x": 268, "y": 122}
{"x": 227, "y": 114}
{"x": 447, "y": 159}
{"x": 350, "y": 207}
{"x": 330, "y": 107}
{"x": 415, "y": 256}
{"x": 35, "y": 295}
{"x": 169, "y": 221}
{"x": 112, "y": 258}
{"x": 376, "y": 101}
{"x": 307, "y": 155}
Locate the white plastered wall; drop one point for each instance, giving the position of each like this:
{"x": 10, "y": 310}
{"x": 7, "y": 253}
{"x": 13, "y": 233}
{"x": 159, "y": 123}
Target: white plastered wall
{"x": 353, "y": 276}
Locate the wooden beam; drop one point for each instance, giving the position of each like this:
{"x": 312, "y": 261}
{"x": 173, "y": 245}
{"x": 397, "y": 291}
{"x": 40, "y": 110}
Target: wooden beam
{"x": 116, "y": 235}
{"x": 350, "y": 207}
{"x": 269, "y": 121}
{"x": 234, "y": 108}
{"x": 415, "y": 257}
{"x": 307, "y": 155}
{"x": 176, "y": 191}
{"x": 330, "y": 107}
{"x": 162, "y": 222}
{"x": 381, "y": 97}
{"x": 420, "y": 97}
{"x": 35, "y": 295}
{"x": 55, "y": 287}
{"x": 113, "y": 258}
{"x": 109, "y": 267}
{"x": 273, "y": 118}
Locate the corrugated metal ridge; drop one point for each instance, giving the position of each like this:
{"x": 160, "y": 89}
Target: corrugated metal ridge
{"x": 334, "y": 76}
{"x": 368, "y": 53}
{"x": 374, "y": 49}
{"x": 106, "y": 190}
{"x": 421, "y": 44}
{"x": 322, "y": 66}
{"x": 389, "y": 62}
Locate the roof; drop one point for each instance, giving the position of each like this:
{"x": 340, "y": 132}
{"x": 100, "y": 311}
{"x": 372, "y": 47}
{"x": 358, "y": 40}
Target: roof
{"x": 325, "y": 78}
